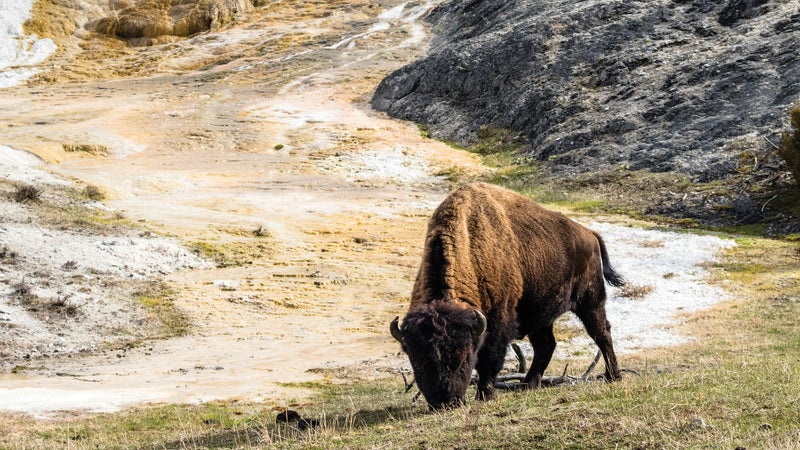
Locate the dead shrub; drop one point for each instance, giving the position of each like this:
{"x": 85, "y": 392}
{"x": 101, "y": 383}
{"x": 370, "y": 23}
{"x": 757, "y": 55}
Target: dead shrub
{"x": 23, "y": 293}
{"x": 20, "y": 289}
{"x": 26, "y": 193}
{"x": 635, "y": 291}
{"x": 90, "y": 149}
{"x": 61, "y": 305}
{"x": 261, "y": 231}
{"x": 652, "y": 244}
{"x": 7, "y": 255}
{"x": 93, "y": 193}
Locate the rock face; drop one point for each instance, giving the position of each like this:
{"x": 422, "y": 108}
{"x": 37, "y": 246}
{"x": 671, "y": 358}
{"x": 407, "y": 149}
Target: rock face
{"x": 664, "y": 85}
{"x": 147, "y": 22}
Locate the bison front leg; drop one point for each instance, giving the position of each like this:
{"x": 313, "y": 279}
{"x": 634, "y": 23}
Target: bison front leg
{"x": 544, "y": 344}
{"x": 491, "y": 357}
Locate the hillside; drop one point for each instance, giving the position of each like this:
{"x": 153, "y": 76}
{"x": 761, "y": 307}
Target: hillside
{"x": 689, "y": 87}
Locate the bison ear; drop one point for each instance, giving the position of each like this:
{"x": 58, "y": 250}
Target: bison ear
{"x": 478, "y": 326}
{"x": 395, "y": 330}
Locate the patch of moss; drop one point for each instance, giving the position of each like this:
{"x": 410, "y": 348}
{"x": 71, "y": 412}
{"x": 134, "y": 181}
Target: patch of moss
{"x": 158, "y": 300}
{"x": 235, "y": 253}
{"x": 789, "y": 148}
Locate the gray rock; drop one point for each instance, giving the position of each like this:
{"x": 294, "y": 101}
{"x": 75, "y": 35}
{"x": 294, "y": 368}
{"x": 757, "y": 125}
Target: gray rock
{"x": 659, "y": 85}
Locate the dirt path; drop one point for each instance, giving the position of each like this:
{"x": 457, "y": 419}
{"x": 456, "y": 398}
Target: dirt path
{"x": 282, "y": 143}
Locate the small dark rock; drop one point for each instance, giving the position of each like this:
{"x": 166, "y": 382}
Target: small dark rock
{"x": 698, "y": 424}
{"x": 289, "y": 416}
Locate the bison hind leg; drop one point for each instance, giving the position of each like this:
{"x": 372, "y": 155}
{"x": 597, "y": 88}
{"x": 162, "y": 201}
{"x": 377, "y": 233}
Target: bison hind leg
{"x": 596, "y": 324}
{"x": 544, "y": 344}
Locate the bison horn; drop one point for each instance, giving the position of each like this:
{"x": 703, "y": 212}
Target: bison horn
{"x": 479, "y": 327}
{"x": 395, "y": 329}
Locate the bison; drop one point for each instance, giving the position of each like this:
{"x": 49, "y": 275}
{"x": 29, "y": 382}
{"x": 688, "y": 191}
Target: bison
{"x": 496, "y": 267}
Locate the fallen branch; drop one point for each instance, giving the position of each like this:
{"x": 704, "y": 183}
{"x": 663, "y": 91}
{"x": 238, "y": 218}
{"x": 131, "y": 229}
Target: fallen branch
{"x": 520, "y": 357}
{"x": 405, "y": 381}
{"x": 586, "y": 374}
{"x": 767, "y": 202}
{"x": 771, "y": 143}
{"x": 515, "y": 381}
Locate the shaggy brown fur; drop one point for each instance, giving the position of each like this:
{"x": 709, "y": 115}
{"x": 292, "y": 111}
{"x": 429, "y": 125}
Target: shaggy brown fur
{"x": 491, "y": 250}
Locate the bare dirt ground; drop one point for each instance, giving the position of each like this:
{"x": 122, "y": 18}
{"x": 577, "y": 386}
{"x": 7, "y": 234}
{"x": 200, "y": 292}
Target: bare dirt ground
{"x": 255, "y": 143}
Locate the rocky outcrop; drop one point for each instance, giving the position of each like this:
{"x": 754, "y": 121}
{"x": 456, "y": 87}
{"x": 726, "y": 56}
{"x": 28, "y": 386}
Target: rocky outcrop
{"x": 148, "y": 22}
{"x": 663, "y": 85}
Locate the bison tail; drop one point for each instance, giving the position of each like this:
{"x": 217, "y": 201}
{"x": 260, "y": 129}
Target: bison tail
{"x": 612, "y": 277}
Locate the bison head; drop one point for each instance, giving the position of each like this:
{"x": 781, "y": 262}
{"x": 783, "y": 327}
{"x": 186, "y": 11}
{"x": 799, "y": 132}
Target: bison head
{"x": 441, "y": 340}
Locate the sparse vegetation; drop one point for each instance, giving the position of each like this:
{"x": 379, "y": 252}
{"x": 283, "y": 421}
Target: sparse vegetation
{"x": 158, "y": 300}
{"x": 634, "y": 291}
{"x": 89, "y": 149}
{"x": 493, "y": 139}
{"x": 234, "y": 253}
{"x": 7, "y": 255}
{"x": 790, "y": 143}
{"x": 261, "y": 231}
{"x": 93, "y": 193}
{"x": 452, "y": 174}
{"x": 423, "y": 131}
{"x": 67, "y": 211}
{"x": 22, "y": 291}
{"x": 26, "y": 193}
{"x": 62, "y": 306}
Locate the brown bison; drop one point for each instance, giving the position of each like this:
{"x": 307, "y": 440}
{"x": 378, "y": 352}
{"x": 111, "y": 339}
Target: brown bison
{"x": 497, "y": 266}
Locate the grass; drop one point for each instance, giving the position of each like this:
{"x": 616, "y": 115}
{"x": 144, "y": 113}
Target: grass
{"x": 668, "y": 198}
{"x": 157, "y": 298}
{"x": 64, "y": 208}
{"x": 73, "y": 216}
{"x": 93, "y": 193}
{"x": 235, "y": 252}
{"x": 734, "y": 386}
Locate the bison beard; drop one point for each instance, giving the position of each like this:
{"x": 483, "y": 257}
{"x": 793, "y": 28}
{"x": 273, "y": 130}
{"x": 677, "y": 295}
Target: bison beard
{"x": 498, "y": 266}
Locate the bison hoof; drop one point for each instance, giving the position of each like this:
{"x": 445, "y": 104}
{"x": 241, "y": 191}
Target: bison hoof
{"x": 484, "y": 395}
{"x": 608, "y": 377}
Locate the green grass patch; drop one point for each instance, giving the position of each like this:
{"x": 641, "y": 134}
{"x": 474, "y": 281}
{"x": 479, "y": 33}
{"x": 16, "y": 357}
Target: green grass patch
{"x": 237, "y": 251}
{"x": 423, "y": 131}
{"x": 452, "y": 174}
{"x": 158, "y": 300}
{"x": 589, "y": 206}
{"x": 669, "y": 198}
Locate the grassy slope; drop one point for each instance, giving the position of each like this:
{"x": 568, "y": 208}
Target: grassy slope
{"x": 735, "y": 386}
